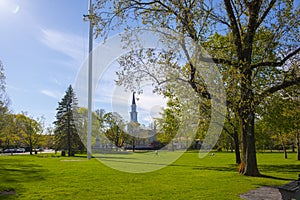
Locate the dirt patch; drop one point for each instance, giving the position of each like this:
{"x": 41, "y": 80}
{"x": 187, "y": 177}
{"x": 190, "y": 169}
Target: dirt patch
{"x": 262, "y": 193}
{"x": 72, "y": 160}
{"x": 7, "y": 192}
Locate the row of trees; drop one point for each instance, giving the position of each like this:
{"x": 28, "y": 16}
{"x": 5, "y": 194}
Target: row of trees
{"x": 279, "y": 120}
{"x": 19, "y": 130}
{"x": 71, "y": 126}
{"x": 276, "y": 124}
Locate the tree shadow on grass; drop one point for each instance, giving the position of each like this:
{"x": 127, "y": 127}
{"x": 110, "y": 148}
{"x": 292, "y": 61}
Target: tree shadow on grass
{"x": 273, "y": 169}
{"x": 276, "y": 178}
{"x": 14, "y": 173}
{"x": 229, "y": 168}
{"x": 280, "y": 169}
{"x": 113, "y": 157}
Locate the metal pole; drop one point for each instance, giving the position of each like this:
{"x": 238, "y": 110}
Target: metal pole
{"x": 90, "y": 82}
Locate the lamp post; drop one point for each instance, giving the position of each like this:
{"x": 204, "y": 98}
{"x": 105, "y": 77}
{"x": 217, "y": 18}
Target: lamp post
{"x": 90, "y": 77}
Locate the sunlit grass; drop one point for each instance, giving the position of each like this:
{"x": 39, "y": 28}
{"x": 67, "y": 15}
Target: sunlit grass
{"x": 48, "y": 177}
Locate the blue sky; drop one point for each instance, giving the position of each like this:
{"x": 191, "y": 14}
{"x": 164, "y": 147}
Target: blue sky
{"x": 43, "y": 44}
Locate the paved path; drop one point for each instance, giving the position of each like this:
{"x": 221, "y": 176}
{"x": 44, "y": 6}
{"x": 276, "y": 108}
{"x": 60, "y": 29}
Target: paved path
{"x": 262, "y": 193}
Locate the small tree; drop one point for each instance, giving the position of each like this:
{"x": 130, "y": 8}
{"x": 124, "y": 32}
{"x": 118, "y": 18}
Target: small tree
{"x": 170, "y": 121}
{"x": 114, "y": 126}
{"x": 28, "y": 130}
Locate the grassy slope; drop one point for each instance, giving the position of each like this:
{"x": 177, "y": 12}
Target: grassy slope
{"x": 189, "y": 177}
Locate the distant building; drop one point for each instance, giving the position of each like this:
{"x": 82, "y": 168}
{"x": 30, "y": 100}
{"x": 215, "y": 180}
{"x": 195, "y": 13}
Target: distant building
{"x": 144, "y": 136}
{"x": 133, "y": 113}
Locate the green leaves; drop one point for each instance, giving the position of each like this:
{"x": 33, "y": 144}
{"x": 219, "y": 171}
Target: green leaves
{"x": 66, "y": 134}
{"x": 255, "y": 44}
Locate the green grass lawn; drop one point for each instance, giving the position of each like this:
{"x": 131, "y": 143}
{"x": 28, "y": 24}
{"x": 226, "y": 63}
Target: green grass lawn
{"x": 38, "y": 177}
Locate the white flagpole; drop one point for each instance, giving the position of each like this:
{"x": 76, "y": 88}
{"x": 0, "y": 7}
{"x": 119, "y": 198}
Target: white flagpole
{"x": 90, "y": 82}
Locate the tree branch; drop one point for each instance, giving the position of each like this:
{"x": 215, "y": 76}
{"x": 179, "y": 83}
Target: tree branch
{"x": 266, "y": 13}
{"x": 234, "y": 27}
{"x": 271, "y": 90}
{"x": 218, "y": 61}
{"x": 276, "y": 64}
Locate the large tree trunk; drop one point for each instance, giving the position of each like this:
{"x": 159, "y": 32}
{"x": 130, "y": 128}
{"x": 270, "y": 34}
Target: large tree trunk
{"x": 247, "y": 116}
{"x": 249, "y": 161}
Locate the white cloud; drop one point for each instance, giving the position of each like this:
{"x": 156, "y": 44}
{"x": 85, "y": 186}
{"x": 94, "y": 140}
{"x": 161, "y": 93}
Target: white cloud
{"x": 69, "y": 44}
{"x": 54, "y": 94}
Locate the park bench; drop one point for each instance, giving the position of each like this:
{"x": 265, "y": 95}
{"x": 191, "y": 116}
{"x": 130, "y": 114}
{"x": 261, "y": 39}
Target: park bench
{"x": 290, "y": 190}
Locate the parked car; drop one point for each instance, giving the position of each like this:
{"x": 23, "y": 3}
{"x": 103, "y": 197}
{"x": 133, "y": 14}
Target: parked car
{"x": 20, "y": 150}
{"x": 15, "y": 150}
{"x": 9, "y": 150}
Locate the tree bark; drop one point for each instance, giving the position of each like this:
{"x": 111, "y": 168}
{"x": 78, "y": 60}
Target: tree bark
{"x": 69, "y": 131}
{"x": 249, "y": 161}
{"x": 298, "y": 144}
{"x": 283, "y": 146}
{"x": 133, "y": 145}
{"x": 293, "y": 148}
{"x": 237, "y": 148}
{"x": 284, "y": 152}
{"x": 30, "y": 147}
{"x": 247, "y": 115}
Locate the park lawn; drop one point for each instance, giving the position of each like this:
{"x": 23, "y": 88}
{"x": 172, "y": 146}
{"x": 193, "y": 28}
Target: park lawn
{"x": 47, "y": 177}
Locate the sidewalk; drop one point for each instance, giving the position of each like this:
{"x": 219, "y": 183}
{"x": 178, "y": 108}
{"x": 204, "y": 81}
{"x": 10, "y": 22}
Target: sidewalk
{"x": 262, "y": 193}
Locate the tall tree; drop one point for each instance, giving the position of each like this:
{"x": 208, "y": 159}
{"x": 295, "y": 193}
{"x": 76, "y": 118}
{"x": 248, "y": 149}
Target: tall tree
{"x": 66, "y": 136}
{"x": 244, "y": 20}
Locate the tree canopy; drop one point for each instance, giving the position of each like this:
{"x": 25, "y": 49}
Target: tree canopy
{"x": 254, "y": 43}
